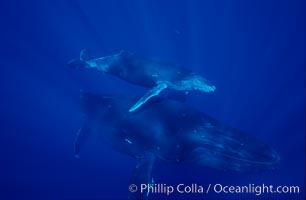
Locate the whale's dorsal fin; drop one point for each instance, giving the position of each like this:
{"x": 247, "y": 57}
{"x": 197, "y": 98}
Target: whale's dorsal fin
{"x": 84, "y": 56}
{"x": 151, "y": 93}
{"x": 142, "y": 174}
{"x": 81, "y": 138}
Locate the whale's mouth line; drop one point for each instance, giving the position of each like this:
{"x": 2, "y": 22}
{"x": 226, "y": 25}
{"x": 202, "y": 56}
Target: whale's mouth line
{"x": 275, "y": 159}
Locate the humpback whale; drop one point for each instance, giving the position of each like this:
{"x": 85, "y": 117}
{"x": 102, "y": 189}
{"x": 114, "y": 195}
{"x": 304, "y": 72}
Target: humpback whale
{"x": 152, "y": 133}
{"x": 144, "y": 72}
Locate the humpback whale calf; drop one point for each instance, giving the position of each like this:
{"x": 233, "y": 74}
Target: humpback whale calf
{"x": 145, "y": 72}
{"x": 171, "y": 131}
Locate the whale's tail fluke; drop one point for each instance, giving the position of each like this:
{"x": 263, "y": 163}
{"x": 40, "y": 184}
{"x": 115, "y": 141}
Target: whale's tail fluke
{"x": 77, "y": 64}
{"x": 81, "y": 62}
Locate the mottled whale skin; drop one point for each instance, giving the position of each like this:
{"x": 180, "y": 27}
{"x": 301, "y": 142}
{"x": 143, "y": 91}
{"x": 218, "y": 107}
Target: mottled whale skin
{"x": 145, "y": 72}
{"x": 170, "y": 131}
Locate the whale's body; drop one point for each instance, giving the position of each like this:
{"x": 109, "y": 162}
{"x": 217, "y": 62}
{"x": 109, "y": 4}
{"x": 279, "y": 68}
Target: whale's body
{"x": 145, "y": 72}
{"x": 170, "y": 131}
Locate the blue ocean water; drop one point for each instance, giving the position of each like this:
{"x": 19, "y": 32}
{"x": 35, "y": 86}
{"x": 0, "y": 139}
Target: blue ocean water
{"x": 253, "y": 51}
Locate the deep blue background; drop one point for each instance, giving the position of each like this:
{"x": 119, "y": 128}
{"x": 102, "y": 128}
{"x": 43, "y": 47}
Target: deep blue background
{"x": 253, "y": 51}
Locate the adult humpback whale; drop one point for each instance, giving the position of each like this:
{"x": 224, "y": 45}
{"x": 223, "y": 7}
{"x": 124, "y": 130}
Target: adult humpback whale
{"x": 152, "y": 132}
{"x": 144, "y": 72}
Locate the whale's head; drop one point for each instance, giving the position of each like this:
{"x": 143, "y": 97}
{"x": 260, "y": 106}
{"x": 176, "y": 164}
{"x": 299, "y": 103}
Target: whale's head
{"x": 195, "y": 82}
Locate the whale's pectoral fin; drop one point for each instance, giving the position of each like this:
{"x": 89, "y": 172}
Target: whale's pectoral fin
{"x": 142, "y": 174}
{"x": 151, "y": 93}
{"x": 81, "y": 138}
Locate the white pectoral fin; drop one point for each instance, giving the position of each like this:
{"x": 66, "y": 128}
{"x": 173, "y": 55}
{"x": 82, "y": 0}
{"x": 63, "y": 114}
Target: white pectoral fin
{"x": 151, "y": 93}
